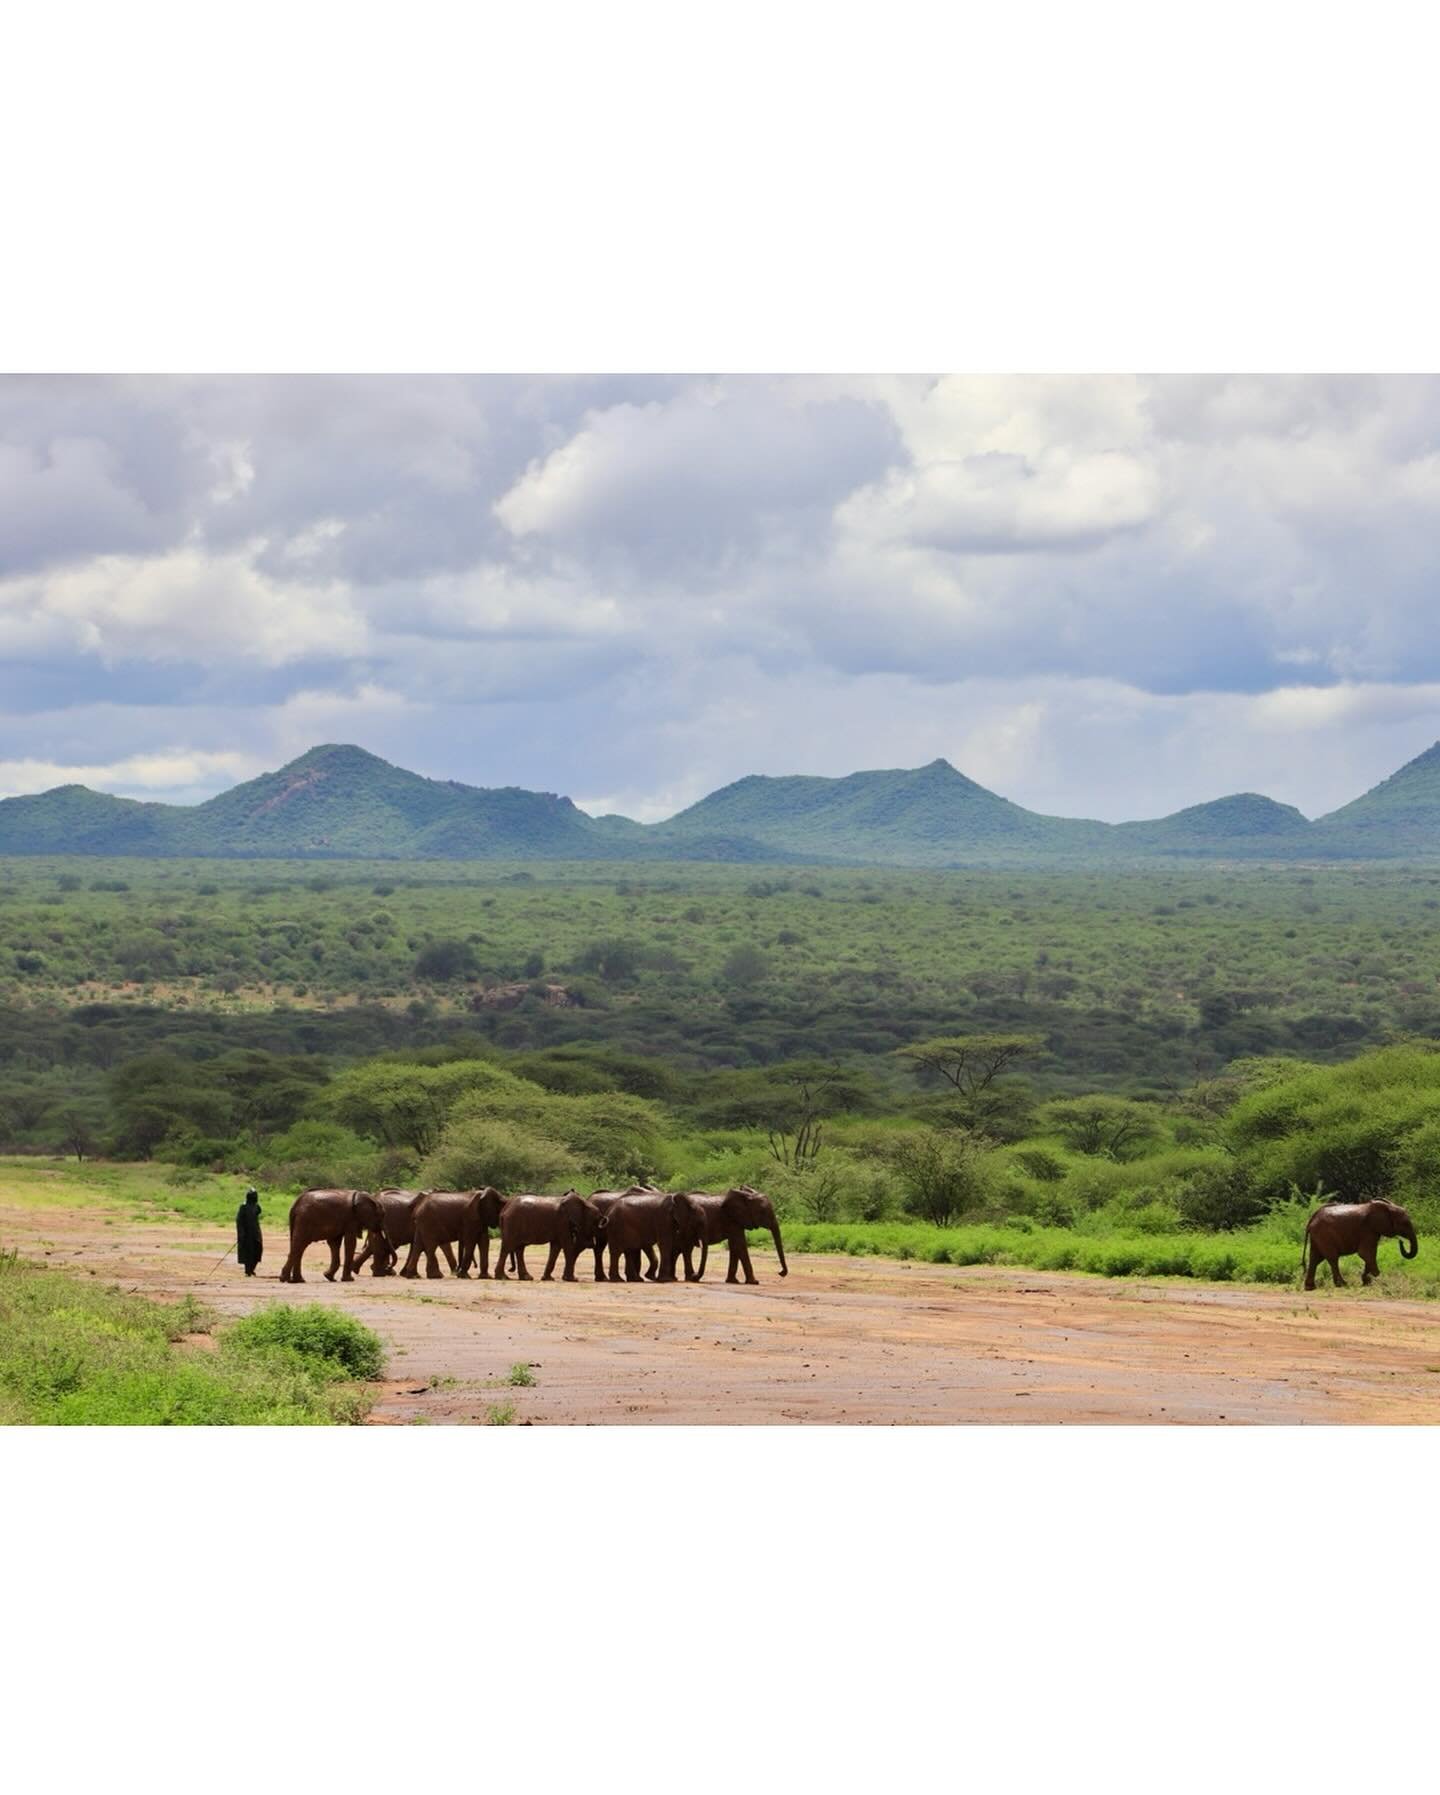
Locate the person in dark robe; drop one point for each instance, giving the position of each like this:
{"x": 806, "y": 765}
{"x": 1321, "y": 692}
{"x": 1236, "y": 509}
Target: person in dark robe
{"x": 249, "y": 1246}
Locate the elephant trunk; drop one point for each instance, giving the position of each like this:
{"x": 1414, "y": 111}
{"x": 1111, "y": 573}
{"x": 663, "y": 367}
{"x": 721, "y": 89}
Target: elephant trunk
{"x": 780, "y": 1251}
{"x": 1414, "y": 1246}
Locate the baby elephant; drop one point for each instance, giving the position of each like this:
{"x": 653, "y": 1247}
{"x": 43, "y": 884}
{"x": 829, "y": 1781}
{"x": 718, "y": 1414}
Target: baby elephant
{"x": 568, "y": 1224}
{"x": 1338, "y": 1229}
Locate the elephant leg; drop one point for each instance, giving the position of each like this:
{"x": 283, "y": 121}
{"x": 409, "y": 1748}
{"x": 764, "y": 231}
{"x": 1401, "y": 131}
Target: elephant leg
{"x": 740, "y": 1257}
{"x": 688, "y": 1255}
{"x": 1312, "y": 1260}
{"x": 449, "y": 1258}
{"x": 482, "y": 1252}
{"x": 614, "y": 1265}
{"x": 334, "y": 1260}
{"x": 632, "y": 1266}
{"x": 432, "y": 1264}
{"x": 348, "y": 1275}
{"x": 520, "y": 1271}
{"x": 502, "y": 1254}
{"x": 652, "y": 1263}
{"x": 1335, "y": 1271}
{"x": 411, "y": 1267}
{"x": 549, "y": 1271}
{"x": 600, "y": 1265}
{"x": 571, "y": 1255}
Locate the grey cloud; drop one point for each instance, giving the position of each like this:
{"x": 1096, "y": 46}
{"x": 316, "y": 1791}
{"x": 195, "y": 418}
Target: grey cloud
{"x": 645, "y": 584}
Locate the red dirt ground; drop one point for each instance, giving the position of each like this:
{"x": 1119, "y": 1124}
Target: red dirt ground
{"x": 840, "y": 1341}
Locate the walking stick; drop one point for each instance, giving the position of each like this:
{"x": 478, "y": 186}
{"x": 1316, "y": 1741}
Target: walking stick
{"x": 216, "y": 1266}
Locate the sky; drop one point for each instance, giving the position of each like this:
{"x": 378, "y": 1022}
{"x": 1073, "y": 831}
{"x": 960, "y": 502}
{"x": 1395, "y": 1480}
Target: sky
{"x": 1106, "y": 596}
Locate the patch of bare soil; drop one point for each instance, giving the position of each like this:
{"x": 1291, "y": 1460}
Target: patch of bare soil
{"x": 840, "y": 1341}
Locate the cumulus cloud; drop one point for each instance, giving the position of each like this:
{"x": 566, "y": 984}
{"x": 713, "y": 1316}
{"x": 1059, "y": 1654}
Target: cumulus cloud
{"x": 179, "y": 773}
{"x": 182, "y": 606}
{"x": 1107, "y": 594}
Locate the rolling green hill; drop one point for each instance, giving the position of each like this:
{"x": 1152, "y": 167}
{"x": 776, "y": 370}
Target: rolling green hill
{"x": 339, "y": 802}
{"x": 1398, "y": 817}
{"x": 931, "y": 816}
{"x": 1246, "y": 824}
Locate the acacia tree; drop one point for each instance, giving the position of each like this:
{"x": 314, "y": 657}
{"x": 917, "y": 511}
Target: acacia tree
{"x": 971, "y": 1065}
{"x": 1107, "y": 1127}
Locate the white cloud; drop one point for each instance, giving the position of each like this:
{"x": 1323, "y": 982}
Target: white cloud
{"x": 1000, "y": 502}
{"x": 167, "y": 774}
{"x": 185, "y": 606}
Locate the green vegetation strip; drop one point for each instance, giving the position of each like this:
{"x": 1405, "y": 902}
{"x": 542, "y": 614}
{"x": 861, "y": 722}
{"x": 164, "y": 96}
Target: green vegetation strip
{"x": 79, "y": 1353}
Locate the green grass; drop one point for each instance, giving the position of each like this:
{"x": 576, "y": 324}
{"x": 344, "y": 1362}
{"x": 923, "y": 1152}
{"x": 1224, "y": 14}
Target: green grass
{"x": 147, "y": 1192}
{"x": 1217, "y": 1258}
{"x": 500, "y": 1414}
{"x": 520, "y": 1375}
{"x": 78, "y": 1353}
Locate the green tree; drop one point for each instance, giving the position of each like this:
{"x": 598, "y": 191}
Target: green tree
{"x": 745, "y": 966}
{"x": 943, "y": 1173}
{"x": 445, "y": 961}
{"x": 1107, "y": 1127}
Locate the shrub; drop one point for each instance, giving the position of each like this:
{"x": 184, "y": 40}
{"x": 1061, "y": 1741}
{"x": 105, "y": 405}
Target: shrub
{"x": 1040, "y": 1163}
{"x": 341, "y": 1346}
{"x": 446, "y": 960}
{"x": 480, "y": 1150}
{"x": 943, "y": 1173}
{"x": 313, "y": 1154}
{"x": 744, "y": 966}
{"x": 1219, "y": 1197}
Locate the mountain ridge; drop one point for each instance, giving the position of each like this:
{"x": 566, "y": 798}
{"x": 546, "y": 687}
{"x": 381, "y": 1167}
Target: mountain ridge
{"x": 339, "y": 801}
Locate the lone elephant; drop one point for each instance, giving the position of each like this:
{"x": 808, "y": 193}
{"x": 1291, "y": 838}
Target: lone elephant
{"x": 727, "y": 1218}
{"x": 567, "y": 1224}
{"x": 1338, "y": 1229}
{"x": 396, "y": 1230}
{"x": 460, "y": 1216}
{"x": 338, "y": 1217}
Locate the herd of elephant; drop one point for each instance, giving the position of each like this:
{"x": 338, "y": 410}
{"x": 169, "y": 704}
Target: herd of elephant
{"x": 662, "y": 1228}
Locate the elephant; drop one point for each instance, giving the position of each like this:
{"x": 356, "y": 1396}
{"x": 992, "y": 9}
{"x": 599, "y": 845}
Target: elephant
{"x": 397, "y": 1229}
{"x": 727, "y": 1218}
{"x": 653, "y": 1221}
{"x": 605, "y": 1201}
{"x": 1338, "y": 1229}
{"x": 443, "y": 1216}
{"x": 335, "y": 1216}
{"x": 569, "y": 1224}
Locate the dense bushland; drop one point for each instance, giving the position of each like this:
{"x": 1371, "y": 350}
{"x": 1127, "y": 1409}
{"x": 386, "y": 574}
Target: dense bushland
{"x": 1163, "y": 1056}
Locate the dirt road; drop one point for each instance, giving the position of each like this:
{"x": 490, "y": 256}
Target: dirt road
{"x": 840, "y": 1341}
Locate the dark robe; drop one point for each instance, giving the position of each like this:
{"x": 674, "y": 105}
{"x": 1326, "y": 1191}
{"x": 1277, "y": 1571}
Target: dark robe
{"x": 249, "y": 1247}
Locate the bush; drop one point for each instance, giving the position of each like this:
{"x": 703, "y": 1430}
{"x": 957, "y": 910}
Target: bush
{"x": 477, "y": 1150}
{"x": 341, "y": 1346}
{"x": 1220, "y": 1197}
{"x": 313, "y": 1155}
{"x": 943, "y": 1173}
{"x": 443, "y": 961}
{"x": 1039, "y": 1163}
